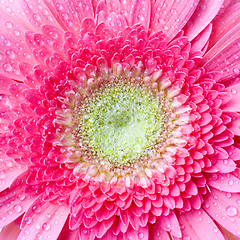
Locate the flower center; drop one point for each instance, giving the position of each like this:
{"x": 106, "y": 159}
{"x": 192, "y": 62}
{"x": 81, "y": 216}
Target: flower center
{"x": 121, "y": 123}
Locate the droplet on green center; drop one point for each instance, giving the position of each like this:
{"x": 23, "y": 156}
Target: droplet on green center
{"x": 121, "y": 123}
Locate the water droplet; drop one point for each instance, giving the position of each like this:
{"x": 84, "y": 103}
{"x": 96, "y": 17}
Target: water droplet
{"x": 21, "y": 196}
{"x": 27, "y": 220}
{"x": 36, "y": 209}
{"x": 7, "y": 67}
{"x": 140, "y": 235}
{"x": 85, "y": 231}
{"x": 207, "y": 205}
{"x": 37, "y": 226}
{"x": 215, "y": 229}
{"x": 228, "y": 195}
{"x": 236, "y": 71}
{"x": 46, "y": 227}
{"x": 2, "y": 175}
{"x": 8, "y": 25}
{"x": 17, "y": 208}
{"x": 230, "y": 182}
{"x": 231, "y": 211}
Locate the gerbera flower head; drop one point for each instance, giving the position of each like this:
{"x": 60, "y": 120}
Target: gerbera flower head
{"x": 119, "y": 119}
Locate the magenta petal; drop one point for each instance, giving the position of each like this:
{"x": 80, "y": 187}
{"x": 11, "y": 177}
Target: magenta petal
{"x": 14, "y": 203}
{"x": 43, "y": 219}
{"x": 170, "y": 17}
{"x": 224, "y": 182}
{"x": 140, "y": 13}
{"x": 223, "y": 208}
{"x": 198, "y": 225}
{"x": 203, "y": 15}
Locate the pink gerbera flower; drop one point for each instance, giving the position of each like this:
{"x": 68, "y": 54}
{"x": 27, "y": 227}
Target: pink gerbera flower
{"x": 119, "y": 119}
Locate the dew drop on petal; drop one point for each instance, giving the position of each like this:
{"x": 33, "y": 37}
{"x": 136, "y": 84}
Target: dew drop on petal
{"x": 2, "y": 175}
{"x": 231, "y": 211}
{"x": 46, "y": 227}
{"x": 27, "y": 220}
{"x": 140, "y": 235}
{"x": 230, "y": 182}
{"x": 17, "y": 208}
{"x": 37, "y": 226}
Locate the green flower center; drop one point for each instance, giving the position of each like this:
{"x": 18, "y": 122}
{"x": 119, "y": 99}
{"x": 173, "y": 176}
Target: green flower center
{"x": 121, "y": 123}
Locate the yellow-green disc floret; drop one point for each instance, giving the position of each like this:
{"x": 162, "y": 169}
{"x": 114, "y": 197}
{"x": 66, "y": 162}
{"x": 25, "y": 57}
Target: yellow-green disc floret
{"x": 121, "y": 123}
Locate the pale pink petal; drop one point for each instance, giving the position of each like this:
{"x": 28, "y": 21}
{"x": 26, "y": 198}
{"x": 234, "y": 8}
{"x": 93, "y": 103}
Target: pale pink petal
{"x": 140, "y": 13}
{"x": 9, "y": 170}
{"x": 203, "y": 15}
{"x": 233, "y": 104}
{"x": 224, "y": 182}
{"x": 201, "y": 40}
{"x": 14, "y": 202}
{"x": 223, "y": 208}
{"x": 14, "y": 51}
{"x": 198, "y": 225}
{"x": 115, "y": 23}
{"x": 10, "y": 232}
{"x": 224, "y": 23}
{"x": 120, "y": 7}
{"x": 14, "y": 10}
{"x": 170, "y": 16}
{"x": 44, "y": 219}
{"x": 225, "y": 59}
{"x": 42, "y": 13}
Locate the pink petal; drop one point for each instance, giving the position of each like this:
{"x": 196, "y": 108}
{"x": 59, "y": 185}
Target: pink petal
{"x": 115, "y": 23}
{"x": 225, "y": 22}
{"x": 169, "y": 223}
{"x": 14, "y": 203}
{"x": 43, "y": 219}
{"x": 201, "y": 40}
{"x": 109, "y": 236}
{"x": 13, "y": 48}
{"x": 224, "y": 55}
{"x": 140, "y": 234}
{"x": 225, "y": 166}
{"x": 10, "y": 232}
{"x": 67, "y": 234}
{"x": 42, "y": 13}
{"x": 224, "y": 182}
{"x": 198, "y": 225}
{"x": 157, "y": 233}
{"x": 140, "y": 12}
{"x": 223, "y": 208}
{"x": 233, "y": 104}
{"x": 171, "y": 16}
{"x": 9, "y": 170}
{"x": 203, "y": 15}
